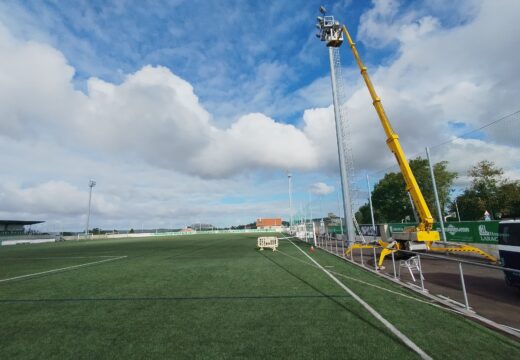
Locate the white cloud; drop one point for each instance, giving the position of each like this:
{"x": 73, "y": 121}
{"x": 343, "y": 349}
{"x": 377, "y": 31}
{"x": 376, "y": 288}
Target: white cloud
{"x": 256, "y": 141}
{"x": 384, "y": 24}
{"x": 439, "y": 75}
{"x": 153, "y": 116}
{"x": 57, "y": 197}
{"x": 463, "y": 154}
{"x": 36, "y": 89}
{"x": 320, "y": 188}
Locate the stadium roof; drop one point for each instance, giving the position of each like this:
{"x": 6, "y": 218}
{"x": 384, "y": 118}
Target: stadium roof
{"x": 20, "y": 222}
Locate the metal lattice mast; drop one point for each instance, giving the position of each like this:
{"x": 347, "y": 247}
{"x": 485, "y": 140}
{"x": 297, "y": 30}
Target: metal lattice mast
{"x": 346, "y": 133}
{"x": 331, "y": 33}
{"x": 339, "y": 119}
{"x": 289, "y": 176}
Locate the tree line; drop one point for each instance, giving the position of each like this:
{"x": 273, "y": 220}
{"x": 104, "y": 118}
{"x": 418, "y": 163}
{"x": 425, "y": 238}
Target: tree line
{"x": 489, "y": 190}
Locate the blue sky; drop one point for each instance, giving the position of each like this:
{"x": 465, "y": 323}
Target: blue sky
{"x": 256, "y": 53}
{"x": 195, "y": 110}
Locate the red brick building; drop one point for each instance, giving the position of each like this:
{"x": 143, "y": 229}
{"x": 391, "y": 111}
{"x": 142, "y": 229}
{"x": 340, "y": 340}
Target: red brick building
{"x": 269, "y": 224}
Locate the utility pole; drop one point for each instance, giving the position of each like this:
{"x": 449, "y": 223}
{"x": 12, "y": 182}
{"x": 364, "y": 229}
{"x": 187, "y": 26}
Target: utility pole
{"x": 91, "y": 185}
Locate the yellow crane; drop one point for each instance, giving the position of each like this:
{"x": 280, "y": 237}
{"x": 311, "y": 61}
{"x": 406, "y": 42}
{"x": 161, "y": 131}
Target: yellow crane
{"x": 424, "y": 231}
{"x": 422, "y": 236}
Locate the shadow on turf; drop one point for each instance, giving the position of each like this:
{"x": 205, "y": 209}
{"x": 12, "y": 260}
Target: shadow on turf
{"x": 176, "y": 298}
{"x": 331, "y": 298}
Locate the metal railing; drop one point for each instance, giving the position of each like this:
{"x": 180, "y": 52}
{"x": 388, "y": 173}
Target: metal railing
{"x": 467, "y": 284}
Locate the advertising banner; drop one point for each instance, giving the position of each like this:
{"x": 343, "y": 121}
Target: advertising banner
{"x": 483, "y": 232}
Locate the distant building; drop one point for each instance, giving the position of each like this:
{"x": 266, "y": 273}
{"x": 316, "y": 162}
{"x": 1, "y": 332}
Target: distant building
{"x": 15, "y": 227}
{"x": 332, "y": 220}
{"x": 269, "y": 224}
{"x": 333, "y": 223}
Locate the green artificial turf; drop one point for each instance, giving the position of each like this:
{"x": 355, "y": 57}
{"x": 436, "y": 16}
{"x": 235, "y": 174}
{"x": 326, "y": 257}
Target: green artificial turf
{"x": 213, "y": 296}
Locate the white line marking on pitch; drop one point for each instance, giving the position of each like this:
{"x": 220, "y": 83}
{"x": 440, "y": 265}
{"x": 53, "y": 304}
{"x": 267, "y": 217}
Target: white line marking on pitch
{"x": 370, "y": 309}
{"x": 369, "y": 284}
{"x": 61, "y": 269}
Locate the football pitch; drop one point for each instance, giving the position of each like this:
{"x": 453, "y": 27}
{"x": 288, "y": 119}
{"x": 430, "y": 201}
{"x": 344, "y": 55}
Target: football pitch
{"x": 215, "y": 296}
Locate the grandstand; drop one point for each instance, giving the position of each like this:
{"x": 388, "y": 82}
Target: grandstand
{"x": 201, "y": 227}
{"x": 15, "y": 227}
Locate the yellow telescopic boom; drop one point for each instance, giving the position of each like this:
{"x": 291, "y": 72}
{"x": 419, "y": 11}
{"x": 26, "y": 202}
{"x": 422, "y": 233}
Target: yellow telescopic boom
{"x": 424, "y": 230}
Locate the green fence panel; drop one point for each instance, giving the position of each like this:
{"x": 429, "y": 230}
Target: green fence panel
{"x": 334, "y": 229}
{"x": 178, "y": 233}
{"x": 482, "y": 232}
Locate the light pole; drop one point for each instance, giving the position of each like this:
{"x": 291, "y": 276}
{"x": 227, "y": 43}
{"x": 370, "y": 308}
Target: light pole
{"x": 329, "y": 30}
{"x": 370, "y": 202}
{"x": 91, "y": 184}
{"x": 289, "y": 175}
{"x": 310, "y": 207}
{"x": 439, "y": 210}
{"x": 457, "y": 208}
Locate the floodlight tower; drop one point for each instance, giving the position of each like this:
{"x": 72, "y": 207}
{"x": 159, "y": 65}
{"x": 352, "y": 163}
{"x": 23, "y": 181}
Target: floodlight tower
{"x": 329, "y": 31}
{"x": 289, "y": 176}
{"x": 91, "y": 184}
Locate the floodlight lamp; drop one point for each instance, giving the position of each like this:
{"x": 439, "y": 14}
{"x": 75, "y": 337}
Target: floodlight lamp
{"x": 323, "y": 10}
{"x": 318, "y": 35}
{"x": 318, "y": 26}
{"x": 320, "y": 19}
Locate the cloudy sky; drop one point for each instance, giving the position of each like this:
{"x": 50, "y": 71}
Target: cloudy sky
{"x": 188, "y": 111}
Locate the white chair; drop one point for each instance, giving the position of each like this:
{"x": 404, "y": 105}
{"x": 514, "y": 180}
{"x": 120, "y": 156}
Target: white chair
{"x": 412, "y": 264}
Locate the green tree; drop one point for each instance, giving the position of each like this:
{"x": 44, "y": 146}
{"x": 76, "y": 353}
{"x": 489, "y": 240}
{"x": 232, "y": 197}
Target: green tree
{"x": 490, "y": 191}
{"x": 363, "y": 214}
{"x": 390, "y": 200}
{"x": 509, "y": 199}
{"x": 486, "y": 181}
{"x": 470, "y": 205}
